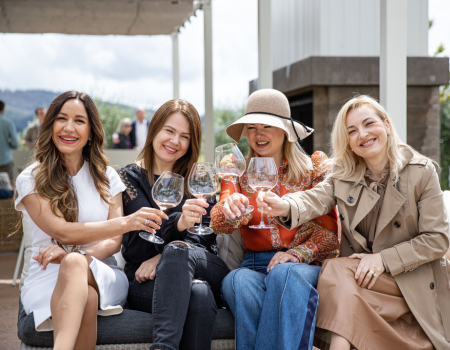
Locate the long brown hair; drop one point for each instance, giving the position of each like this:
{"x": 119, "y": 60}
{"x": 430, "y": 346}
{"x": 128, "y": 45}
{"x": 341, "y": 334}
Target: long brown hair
{"x": 185, "y": 163}
{"x": 52, "y": 179}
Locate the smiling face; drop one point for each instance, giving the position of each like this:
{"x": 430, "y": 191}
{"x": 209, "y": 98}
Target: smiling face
{"x": 266, "y": 140}
{"x": 367, "y": 133}
{"x": 173, "y": 140}
{"x": 71, "y": 128}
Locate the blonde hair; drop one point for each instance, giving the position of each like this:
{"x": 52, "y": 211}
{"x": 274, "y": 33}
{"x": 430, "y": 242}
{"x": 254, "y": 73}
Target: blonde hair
{"x": 299, "y": 162}
{"x": 344, "y": 161}
{"x": 122, "y": 125}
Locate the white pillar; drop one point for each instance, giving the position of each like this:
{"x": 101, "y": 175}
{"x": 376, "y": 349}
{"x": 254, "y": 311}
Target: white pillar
{"x": 265, "y": 80}
{"x": 175, "y": 66}
{"x": 209, "y": 144}
{"x": 393, "y": 62}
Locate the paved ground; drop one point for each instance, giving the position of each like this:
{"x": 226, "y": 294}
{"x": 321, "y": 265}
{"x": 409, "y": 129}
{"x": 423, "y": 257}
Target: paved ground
{"x": 9, "y": 303}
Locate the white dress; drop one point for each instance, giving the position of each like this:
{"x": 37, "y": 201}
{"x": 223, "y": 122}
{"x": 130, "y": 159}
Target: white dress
{"x": 39, "y": 285}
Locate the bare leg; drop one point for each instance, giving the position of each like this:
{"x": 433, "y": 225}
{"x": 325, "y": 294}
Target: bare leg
{"x": 87, "y": 336}
{"x": 339, "y": 343}
{"x": 71, "y": 299}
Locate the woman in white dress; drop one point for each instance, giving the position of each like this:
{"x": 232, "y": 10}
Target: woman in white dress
{"x": 75, "y": 202}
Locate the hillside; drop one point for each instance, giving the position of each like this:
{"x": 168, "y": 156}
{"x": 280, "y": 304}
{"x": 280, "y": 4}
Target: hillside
{"x": 20, "y": 105}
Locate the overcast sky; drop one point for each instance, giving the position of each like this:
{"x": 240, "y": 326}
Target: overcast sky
{"x": 137, "y": 70}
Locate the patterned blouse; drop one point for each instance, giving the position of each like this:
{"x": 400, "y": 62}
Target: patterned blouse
{"x": 312, "y": 242}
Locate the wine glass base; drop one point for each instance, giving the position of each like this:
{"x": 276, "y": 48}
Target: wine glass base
{"x": 261, "y": 226}
{"x": 200, "y": 230}
{"x": 151, "y": 237}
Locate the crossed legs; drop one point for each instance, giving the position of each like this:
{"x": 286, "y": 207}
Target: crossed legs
{"x": 74, "y": 305}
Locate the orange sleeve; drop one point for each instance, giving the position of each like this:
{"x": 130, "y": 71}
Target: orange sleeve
{"x": 219, "y": 223}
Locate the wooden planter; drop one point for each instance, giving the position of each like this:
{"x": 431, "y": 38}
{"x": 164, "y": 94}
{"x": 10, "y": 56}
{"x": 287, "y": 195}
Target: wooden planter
{"x": 8, "y": 220}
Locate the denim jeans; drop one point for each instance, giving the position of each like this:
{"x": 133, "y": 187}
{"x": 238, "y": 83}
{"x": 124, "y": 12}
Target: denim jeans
{"x": 183, "y": 310}
{"x": 275, "y": 310}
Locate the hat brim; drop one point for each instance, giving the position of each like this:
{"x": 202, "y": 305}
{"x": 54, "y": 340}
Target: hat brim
{"x": 238, "y": 129}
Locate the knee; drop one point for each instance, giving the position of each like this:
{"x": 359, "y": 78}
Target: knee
{"x": 202, "y": 298}
{"x": 281, "y": 273}
{"x": 175, "y": 251}
{"x": 74, "y": 261}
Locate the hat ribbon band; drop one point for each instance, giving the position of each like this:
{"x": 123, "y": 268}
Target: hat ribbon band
{"x": 308, "y": 129}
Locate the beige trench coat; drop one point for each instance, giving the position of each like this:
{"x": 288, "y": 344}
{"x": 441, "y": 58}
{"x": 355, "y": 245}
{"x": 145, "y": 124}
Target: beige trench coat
{"x": 412, "y": 234}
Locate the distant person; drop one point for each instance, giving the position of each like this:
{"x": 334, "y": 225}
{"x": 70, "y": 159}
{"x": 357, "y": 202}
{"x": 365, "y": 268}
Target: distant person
{"x": 139, "y": 130}
{"x": 32, "y": 133}
{"x": 121, "y": 138}
{"x": 8, "y": 141}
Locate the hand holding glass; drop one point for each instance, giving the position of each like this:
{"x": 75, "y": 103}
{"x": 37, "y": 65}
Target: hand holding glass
{"x": 262, "y": 175}
{"x": 167, "y": 192}
{"x": 203, "y": 183}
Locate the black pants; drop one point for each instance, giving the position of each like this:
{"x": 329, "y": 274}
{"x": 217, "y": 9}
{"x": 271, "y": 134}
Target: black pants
{"x": 183, "y": 310}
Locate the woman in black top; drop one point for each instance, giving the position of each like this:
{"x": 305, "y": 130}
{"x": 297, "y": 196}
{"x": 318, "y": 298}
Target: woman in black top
{"x": 178, "y": 281}
{"x": 121, "y": 139}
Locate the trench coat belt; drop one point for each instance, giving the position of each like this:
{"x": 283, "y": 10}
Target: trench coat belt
{"x": 442, "y": 284}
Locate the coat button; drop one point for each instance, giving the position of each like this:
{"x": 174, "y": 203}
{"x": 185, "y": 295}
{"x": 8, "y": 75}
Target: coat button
{"x": 432, "y": 285}
{"x": 350, "y": 199}
{"x": 342, "y": 217}
{"x": 397, "y": 224}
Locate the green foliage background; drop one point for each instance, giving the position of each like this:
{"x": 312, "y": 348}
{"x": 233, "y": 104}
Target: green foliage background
{"x": 223, "y": 117}
{"x": 445, "y": 136}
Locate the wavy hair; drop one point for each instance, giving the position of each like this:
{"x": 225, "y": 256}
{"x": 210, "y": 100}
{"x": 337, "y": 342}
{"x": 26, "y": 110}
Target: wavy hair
{"x": 52, "y": 179}
{"x": 184, "y": 164}
{"x": 344, "y": 161}
{"x": 299, "y": 163}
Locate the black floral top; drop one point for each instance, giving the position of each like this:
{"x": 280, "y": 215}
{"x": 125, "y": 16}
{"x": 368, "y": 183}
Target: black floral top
{"x": 138, "y": 194}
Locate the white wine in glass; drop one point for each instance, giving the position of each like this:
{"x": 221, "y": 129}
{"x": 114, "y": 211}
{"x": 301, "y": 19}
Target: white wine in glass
{"x": 167, "y": 192}
{"x": 202, "y": 183}
{"x": 262, "y": 176}
{"x": 230, "y": 165}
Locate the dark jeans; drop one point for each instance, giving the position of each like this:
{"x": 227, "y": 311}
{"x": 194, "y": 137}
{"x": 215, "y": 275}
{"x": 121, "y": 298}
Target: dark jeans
{"x": 183, "y": 310}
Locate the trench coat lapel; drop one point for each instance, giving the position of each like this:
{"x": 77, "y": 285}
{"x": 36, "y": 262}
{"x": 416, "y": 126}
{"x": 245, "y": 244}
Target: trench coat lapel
{"x": 390, "y": 207}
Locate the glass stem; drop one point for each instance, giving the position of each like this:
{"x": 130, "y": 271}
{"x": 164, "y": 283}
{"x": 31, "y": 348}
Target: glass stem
{"x": 200, "y": 226}
{"x": 234, "y": 184}
{"x": 262, "y": 214}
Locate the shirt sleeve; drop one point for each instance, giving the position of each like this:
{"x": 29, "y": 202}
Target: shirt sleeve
{"x": 25, "y": 185}
{"x": 116, "y": 185}
{"x": 14, "y": 140}
{"x": 219, "y": 223}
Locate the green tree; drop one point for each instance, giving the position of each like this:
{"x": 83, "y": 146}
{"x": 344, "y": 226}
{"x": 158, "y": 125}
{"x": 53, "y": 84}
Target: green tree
{"x": 223, "y": 117}
{"x": 110, "y": 115}
{"x": 445, "y": 136}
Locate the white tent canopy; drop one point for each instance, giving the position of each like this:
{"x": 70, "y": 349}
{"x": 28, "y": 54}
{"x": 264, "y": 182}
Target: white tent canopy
{"x": 95, "y": 17}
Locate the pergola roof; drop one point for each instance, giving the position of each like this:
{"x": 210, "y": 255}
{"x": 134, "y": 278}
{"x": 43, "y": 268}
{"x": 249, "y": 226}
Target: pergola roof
{"x": 95, "y": 17}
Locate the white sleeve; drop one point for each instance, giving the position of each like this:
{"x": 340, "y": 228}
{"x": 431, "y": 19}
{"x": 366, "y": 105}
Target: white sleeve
{"x": 115, "y": 183}
{"x": 25, "y": 185}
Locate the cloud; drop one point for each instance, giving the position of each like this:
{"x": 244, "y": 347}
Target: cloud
{"x": 137, "y": 70}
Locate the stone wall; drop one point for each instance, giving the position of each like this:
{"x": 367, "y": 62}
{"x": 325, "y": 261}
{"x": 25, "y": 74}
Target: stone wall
{"x": 422, "y": 115}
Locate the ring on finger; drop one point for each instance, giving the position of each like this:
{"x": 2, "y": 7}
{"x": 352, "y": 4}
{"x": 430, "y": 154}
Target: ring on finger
{"x": 192, "y": 213}
{"x": 147, "y": 222}
{"x": 371, "y": 273}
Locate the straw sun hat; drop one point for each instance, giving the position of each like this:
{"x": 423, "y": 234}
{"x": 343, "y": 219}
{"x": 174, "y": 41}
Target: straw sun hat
{"x": 269, "y": 107}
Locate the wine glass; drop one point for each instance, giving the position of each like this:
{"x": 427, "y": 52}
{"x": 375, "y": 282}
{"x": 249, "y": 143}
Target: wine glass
{"x": 202, "y": 183}
{"x": 262, "y": 175}
{"x": 167, "y": 192}
{"x": 230, "y": 165}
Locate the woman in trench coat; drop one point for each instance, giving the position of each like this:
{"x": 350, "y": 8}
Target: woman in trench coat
{"x": 390, "y": 288}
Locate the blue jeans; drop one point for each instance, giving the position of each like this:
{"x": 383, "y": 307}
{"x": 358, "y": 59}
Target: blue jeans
{"x": 275, "y": 310}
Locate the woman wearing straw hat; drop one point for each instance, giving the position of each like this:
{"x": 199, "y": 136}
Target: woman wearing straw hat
{"x": 272, "y": 294}
{"x": 390, "y": 289}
